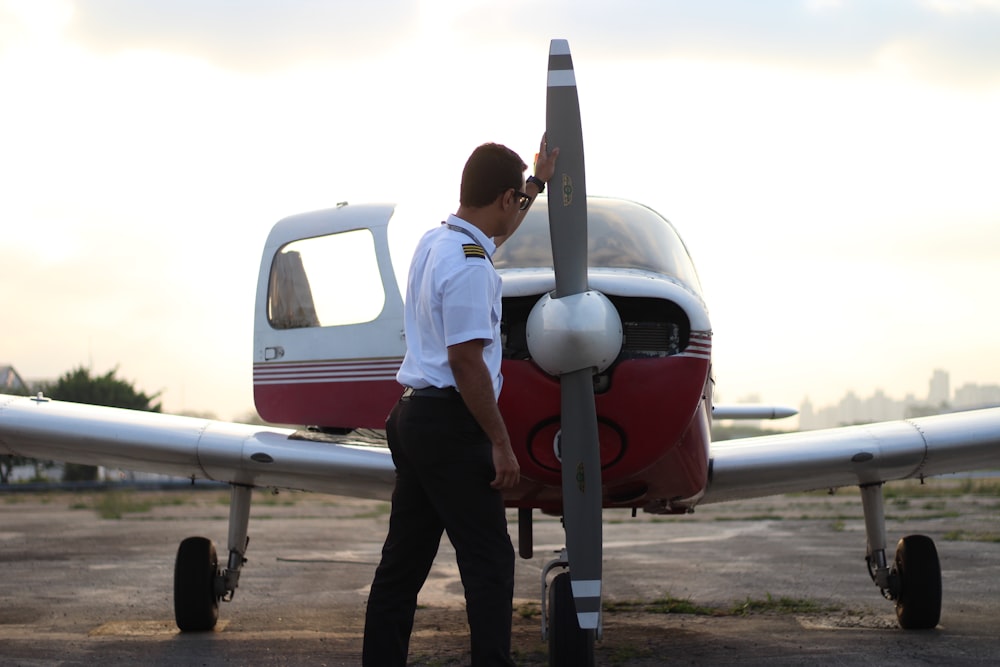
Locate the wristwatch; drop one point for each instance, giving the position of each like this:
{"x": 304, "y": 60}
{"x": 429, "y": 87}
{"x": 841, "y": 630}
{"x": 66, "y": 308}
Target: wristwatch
{"x": 539, "y": 183}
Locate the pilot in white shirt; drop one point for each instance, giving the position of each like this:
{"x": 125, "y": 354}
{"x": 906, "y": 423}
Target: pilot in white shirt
{"x": 449, "y": 443}
{"x": 452, "y": 287}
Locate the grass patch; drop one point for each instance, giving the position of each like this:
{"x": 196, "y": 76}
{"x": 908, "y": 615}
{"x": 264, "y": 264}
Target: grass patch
{"x": 116, "y": 504}
{"x": 19, "y": 498}
{"x": 836, "y": 518}
{"x": 431, "y": 661}
{"x": 969, "y": 536}
{"x": 782, "y": 605}
{"x": 623, "y": 655}
{"x": 380, "y": 510}
{"x": 951, "y": 514}
{"x": 941, "y": 488}
{"x": 665, "y": 605}
{"x": 931, "y": 487}
{"x": 528, "y": 610}
{"x": 273, "y": 498}
{"x": 747, "y": 607}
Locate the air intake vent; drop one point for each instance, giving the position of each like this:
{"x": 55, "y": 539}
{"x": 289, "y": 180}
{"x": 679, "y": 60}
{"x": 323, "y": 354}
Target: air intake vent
{"x": 659, "y": 339}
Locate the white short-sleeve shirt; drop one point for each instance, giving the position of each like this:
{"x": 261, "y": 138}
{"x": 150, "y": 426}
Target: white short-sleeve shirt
{"x": 453, "y": 295}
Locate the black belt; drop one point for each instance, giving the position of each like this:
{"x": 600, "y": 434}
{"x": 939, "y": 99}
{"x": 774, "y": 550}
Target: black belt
{"x": 430, "y": 392}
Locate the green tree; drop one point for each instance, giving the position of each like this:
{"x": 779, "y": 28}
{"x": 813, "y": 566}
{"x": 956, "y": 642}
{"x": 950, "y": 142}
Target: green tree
{"x": 8, "y": 462}
{"x": 79, "y": 386}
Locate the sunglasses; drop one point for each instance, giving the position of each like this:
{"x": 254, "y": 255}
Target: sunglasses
{"x": 524, "y": 200}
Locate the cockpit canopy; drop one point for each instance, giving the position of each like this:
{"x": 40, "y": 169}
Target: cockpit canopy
{"x": 621, "y": 235}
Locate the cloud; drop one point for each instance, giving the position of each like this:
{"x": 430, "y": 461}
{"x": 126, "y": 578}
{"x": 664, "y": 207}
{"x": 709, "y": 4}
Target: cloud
{"x": 244, "y": 34}
{"x": 952, "y": 47}
{"x": 951, "y": 43}
{"x": 962, "y": 6}
{"x": 946, "y": 42}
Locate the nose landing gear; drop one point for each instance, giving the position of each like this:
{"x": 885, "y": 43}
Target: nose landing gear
{"x": 569, "y": 645}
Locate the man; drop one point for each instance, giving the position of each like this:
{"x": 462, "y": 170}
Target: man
{"x": 448, "y": 440}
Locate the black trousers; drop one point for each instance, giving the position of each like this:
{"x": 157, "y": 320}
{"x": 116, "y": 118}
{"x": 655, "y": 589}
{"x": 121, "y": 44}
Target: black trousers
{"x": 444, "y": 466}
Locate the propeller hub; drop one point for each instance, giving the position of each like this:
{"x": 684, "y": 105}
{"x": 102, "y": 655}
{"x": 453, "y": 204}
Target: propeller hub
{"x": 574, "y": 332}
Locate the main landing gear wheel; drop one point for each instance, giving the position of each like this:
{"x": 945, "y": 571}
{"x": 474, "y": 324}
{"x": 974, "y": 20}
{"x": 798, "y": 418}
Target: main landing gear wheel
{"x": 918, "y": 571}
{"x": 196, "y": 604}
{"x": 569, "y": 646}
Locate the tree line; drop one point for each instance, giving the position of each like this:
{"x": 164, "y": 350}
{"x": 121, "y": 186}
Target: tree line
{"x": 81, "y": 386}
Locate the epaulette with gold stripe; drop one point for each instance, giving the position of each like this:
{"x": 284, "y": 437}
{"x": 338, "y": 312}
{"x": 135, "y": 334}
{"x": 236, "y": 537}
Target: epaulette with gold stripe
{"x": 473, "y": 250}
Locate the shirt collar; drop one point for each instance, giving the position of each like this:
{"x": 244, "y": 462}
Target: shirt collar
{"x": 488, "y": 245}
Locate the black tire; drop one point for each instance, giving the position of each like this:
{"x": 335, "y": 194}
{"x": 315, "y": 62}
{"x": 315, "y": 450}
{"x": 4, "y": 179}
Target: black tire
{"x": 918, "y": 603}
{"x": 196, "y": 606}
{"x": 569, "y": 646}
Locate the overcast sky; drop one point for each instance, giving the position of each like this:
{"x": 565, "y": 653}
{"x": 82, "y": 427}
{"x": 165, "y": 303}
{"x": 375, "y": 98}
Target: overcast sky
{"x": 833, "y": 167}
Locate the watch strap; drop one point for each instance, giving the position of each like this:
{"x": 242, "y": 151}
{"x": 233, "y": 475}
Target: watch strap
{"x": 539, "y": 183}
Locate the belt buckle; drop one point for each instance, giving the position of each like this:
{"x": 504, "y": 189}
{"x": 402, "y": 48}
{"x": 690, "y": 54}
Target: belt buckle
{"x": 408, "y": 392}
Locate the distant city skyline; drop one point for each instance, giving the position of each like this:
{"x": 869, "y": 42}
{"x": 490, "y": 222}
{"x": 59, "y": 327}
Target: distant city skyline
{"x": 852, "y": 409}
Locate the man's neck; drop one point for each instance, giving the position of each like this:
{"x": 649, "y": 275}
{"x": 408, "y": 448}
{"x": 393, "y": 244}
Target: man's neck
{"x": 480, "y": 217}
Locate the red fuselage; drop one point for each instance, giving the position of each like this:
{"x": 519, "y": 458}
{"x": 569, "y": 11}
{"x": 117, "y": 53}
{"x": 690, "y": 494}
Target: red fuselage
{"x": 651, "y": 423}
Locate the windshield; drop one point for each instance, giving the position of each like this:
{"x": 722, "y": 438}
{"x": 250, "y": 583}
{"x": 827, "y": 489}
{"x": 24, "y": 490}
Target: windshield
{"x": 621, "y": 234}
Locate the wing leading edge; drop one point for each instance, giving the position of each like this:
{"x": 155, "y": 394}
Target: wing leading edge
{"x": 241, "y": 454}
{"x": 854, "y": 455}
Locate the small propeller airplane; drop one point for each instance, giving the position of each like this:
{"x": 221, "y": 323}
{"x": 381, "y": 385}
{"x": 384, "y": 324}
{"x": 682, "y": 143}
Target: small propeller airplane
{"x": 608, "y": 398}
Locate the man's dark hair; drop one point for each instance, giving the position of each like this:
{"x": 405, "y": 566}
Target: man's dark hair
{"x": 489, "y": 171}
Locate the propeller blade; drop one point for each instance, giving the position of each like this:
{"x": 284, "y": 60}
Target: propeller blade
{"x": 568, "y": 197}
{"x": 580, "y": 450}
{"x": 581, "y": 486}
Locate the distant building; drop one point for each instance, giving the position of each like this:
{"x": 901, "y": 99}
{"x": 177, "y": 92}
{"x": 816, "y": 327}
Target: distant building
{"x": 11, "y": 382}
{"x": 940, "y": 388}
{"x": 976, "y": 396}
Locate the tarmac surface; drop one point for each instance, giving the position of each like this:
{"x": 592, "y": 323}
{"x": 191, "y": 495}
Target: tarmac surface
{"x": 780, "y": 581}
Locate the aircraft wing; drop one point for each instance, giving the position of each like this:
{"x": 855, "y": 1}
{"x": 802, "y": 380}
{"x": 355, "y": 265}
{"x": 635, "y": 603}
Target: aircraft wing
{"x": 752, "y": 411}
{"x": 242, "y": 454}
{"x": 853, "y": 455}
{"x": 267, "y": 456}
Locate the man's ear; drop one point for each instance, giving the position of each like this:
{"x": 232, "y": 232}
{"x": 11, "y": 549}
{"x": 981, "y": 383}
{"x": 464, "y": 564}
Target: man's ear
{"x": 500, "y": 201}
{"x": 506, "y": 199}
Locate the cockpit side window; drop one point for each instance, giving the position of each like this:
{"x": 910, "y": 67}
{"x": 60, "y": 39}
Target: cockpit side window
{"x": 325, "y": 281}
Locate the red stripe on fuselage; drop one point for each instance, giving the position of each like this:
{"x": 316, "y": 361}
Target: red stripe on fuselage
{"x": 350, "y": 393}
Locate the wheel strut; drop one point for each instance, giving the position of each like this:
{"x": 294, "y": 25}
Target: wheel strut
{"x": 239, "y": 520}
{"x": 878, "y": 565}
